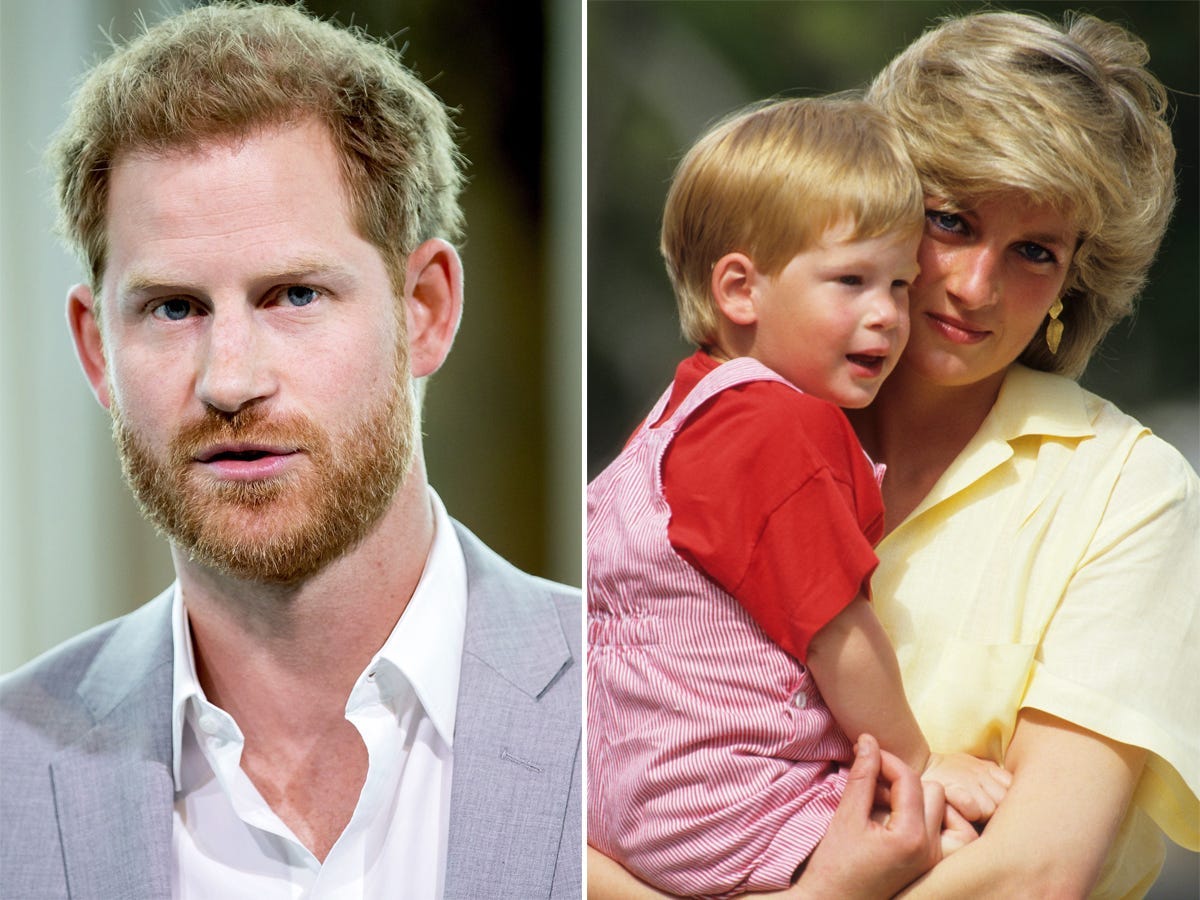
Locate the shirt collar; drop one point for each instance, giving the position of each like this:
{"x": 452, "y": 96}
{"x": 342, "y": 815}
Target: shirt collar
{"x": 426, "y": 646}
{"x": 424, "y": 649}
{"x": 186, "y": 684}
{"x": 1038, "y": 403}
{"x": 1030, "y": 404}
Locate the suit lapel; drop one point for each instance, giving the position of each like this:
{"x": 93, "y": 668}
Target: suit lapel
{"x": 513, "y": 771}
{"x": 115, "y": 822}
{"x": 113, "y": 788}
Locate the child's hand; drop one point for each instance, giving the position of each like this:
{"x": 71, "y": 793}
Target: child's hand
{"x": 973, "y": 786}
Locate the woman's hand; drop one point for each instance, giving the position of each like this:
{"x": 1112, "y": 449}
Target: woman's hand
{"x": 863, "y": 855}
{"x": 872, "y": 856}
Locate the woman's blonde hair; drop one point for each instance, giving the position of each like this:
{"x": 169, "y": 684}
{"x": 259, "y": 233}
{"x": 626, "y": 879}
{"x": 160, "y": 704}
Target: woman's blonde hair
{"x": 230, "y": 68}
{"x": 769, "y": 181}
{"x": 998, "y": 103}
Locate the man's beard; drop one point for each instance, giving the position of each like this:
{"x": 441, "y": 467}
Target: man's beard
{"x": 288, "y": 527}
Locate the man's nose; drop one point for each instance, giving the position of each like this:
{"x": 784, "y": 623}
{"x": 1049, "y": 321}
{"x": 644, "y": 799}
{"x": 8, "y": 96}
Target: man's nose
{"x": 232, "y": 368}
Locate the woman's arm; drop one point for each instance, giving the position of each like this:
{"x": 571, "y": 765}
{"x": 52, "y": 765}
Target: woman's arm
{"x": 1050, "y": 836}
{"x": 860, "y": 856}
{"x": 607, "y": 880}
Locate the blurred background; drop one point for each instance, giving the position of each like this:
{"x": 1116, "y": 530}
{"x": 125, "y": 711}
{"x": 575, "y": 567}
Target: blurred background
{"x": 503, "y": 424}
{"x": 659, "y": 73}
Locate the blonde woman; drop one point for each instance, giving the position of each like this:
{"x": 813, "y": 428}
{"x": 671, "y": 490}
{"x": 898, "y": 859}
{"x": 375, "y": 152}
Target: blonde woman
{"x": 1038, "y": 576}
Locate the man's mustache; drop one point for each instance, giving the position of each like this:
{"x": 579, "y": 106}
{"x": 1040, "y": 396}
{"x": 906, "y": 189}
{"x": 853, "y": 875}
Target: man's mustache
{"x": 252, "y": 426}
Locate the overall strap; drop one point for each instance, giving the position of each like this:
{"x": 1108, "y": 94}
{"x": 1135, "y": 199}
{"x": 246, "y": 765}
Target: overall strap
{"x": 742, "y": 370}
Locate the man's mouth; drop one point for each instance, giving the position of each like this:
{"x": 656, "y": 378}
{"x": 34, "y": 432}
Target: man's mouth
{"x": 246, "y": 462}
{"x": 241, "y": 453}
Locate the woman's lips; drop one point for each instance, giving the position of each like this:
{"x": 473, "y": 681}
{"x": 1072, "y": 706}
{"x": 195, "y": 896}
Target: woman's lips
{"x": 956, "y": 330}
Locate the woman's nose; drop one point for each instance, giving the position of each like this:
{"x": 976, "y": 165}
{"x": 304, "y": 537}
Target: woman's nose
{"x": 974, "y": 278}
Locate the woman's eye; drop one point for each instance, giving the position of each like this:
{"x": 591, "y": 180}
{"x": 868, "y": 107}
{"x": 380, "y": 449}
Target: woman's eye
{"x": 945, "y": 221}
{"x": 1036, "y": 253}
{"x": 172, "y": 310}
{"x": 299, "y": 295}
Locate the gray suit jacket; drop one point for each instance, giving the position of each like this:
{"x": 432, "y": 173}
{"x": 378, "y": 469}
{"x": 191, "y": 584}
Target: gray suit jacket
{"x": 86, "y": 791}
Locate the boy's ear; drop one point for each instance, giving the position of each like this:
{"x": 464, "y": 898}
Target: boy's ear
{"x": 734, "y": 288}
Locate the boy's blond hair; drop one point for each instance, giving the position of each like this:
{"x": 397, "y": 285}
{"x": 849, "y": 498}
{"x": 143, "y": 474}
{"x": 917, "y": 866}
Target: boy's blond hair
{"x": 769, "y": 181}
{"x": 1001, "y": 103}
{"x": 231, "y": 68}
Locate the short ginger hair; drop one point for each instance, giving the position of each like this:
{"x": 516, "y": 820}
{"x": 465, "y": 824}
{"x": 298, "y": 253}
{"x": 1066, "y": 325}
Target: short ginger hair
{"x": 232, "y": 68}
{"x": 998, "y": 103}
{"x": 769, "y": 181}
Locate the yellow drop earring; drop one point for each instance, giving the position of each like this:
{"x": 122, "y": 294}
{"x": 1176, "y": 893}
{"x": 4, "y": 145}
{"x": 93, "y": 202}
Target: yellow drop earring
{"x": 1054, "y": 328}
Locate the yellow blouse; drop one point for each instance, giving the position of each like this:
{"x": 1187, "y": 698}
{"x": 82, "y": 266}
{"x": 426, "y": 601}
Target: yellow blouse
{"x": 1056, "y": 565}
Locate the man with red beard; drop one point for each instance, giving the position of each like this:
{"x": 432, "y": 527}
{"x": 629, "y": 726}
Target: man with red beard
{"x": 344, "y": 693}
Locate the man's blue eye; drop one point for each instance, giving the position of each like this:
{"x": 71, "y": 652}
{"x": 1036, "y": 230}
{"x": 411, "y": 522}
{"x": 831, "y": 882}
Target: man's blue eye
{"x": 174, "y": 310}
{"x": 298, "y": 295}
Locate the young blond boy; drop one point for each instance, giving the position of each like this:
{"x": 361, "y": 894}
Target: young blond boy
{"x": 730, "y": 543}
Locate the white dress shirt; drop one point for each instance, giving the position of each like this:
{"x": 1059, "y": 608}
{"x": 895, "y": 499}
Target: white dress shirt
{"x": 228, "y": 843}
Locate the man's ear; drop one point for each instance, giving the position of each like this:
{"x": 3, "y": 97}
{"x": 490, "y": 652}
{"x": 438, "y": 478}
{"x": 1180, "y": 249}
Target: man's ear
{"x": 433, "y": 299}
{"x": 734, "y": 283}
{"x": 82, "y": 310}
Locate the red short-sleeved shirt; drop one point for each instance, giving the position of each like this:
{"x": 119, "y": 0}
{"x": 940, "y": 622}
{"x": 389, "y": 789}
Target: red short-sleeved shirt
{"x": 772, "y": 497}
